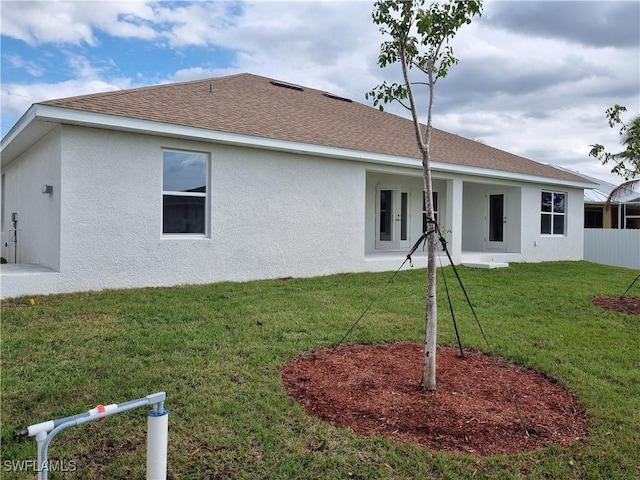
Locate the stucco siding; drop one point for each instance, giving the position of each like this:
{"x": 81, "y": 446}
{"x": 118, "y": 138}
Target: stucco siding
{"x": 524, "y": 242}
{"x": 271, "y": 214}
{"x": 473, "y": 216}
{"x": 537, "y": 247}
{"x": 38, "y": 227}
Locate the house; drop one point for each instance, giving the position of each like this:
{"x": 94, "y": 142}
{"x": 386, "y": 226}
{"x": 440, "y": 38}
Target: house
{"x": 612, "y": 236}
{"x": 624, "y": 212}
{"x": 245, "y": 177}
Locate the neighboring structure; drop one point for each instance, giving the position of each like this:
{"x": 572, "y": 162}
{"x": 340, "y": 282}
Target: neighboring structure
{"x": 244, "y": 177}
{"x": 624, "y": 212}
{"x": 612, "y": 236}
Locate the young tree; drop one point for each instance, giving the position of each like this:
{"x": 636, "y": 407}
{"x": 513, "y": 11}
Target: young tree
{"x": 625, "y": 163}
{"x": 419, "y": 38}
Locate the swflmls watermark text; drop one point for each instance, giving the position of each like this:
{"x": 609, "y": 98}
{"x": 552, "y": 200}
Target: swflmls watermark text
{"x": 32, "y": 466}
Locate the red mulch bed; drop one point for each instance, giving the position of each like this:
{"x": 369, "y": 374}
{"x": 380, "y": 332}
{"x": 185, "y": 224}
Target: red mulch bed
{"x": 626, "y": 304}
{"x": 374, "y": 390}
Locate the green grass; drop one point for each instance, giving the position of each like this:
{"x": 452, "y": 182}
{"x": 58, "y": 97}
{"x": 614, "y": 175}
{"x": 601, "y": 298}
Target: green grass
{"x": 217, "y": 351}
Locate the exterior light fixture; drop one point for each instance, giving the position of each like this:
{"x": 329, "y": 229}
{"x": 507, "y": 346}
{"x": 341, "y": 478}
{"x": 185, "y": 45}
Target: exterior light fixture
{"x": 47, "y": 189}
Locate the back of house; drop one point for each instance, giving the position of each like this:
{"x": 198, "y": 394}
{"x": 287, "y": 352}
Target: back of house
{"x": 245, "y": 177}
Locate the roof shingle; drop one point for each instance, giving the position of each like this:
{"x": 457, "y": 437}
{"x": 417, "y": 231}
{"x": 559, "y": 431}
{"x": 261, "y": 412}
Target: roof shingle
{"x": 253, "y": 105}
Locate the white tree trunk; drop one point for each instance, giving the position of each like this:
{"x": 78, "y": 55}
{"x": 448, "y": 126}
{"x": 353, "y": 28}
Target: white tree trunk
{"x": 431, "y": 324}
{"x": 429, "y": 371}
{"x": 420, "y": 37}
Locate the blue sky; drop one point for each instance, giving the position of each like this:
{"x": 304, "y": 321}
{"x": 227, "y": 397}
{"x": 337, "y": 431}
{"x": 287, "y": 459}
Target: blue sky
{"x": 534, "y": 78}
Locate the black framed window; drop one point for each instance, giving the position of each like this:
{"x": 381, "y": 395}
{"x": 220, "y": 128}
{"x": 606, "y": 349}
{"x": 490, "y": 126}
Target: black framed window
{"x": 184, "y": 192}
{"x": 552, "y": 215}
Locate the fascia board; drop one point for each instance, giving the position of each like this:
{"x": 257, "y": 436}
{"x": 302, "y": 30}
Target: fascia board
{"x": 92, "y": 119}
{"x": 20, "y": 125}
{"x": 23, "y": 135}
{"x": 504, "y": 175}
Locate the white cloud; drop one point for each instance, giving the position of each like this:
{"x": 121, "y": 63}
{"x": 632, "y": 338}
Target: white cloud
{"x": 16, "y": 99}
{"x": 287, "y": 40}
{"x": 196, "y": 73}
{"x": 32, "y": 68}
{"x": 542, "y": 95}
{"x": 543, "y": 98}
{"x": 196, "y": 24}
{"x": 598, "y": 23}
{"x": 39, "y": 22}
{"x": 87, "y": 78}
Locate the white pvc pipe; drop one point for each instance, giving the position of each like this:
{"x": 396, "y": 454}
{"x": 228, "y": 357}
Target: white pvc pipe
{"x": 41, "y": 436}
{"x": 156, "y": 443}
{"x": 102, "y": 408}
{"x": 46, "y": 427}
{"x": 157, "y": 440}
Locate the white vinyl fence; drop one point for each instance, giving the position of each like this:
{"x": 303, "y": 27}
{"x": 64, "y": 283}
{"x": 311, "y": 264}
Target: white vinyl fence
{"x": 612, "y": 247}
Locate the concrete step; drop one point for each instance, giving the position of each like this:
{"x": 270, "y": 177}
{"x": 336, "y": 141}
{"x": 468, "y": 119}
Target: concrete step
{"x": 485, "y": 264}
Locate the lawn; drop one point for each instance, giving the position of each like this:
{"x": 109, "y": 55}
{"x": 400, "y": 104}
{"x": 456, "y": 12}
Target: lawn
{"x": 217, "y": 350}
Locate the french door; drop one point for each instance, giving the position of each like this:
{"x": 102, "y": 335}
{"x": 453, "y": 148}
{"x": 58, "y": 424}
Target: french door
{"x": 393, "y": 212}
{"x": 496, "y": 220}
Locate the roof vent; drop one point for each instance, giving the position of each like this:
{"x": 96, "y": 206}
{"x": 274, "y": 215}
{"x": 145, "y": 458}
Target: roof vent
{"x": 286, "y": 85}
{"x": 335, "y": 97}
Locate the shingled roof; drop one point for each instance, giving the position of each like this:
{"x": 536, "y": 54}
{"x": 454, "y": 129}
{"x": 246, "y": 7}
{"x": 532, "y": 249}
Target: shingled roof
{"x": 262, "y": 107}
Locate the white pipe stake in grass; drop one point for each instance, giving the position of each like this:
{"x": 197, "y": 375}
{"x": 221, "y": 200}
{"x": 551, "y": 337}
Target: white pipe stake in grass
{"x": 157, "y": 439}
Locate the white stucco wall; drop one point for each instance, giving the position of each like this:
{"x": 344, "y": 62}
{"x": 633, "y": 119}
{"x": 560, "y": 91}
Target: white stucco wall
{"x": 38, "y": 214}
{"x": 473, "y": 216}
{"x": 525, "y": 243}
{"x": 537, "y": 247}
{"x": 272, "y": 214}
